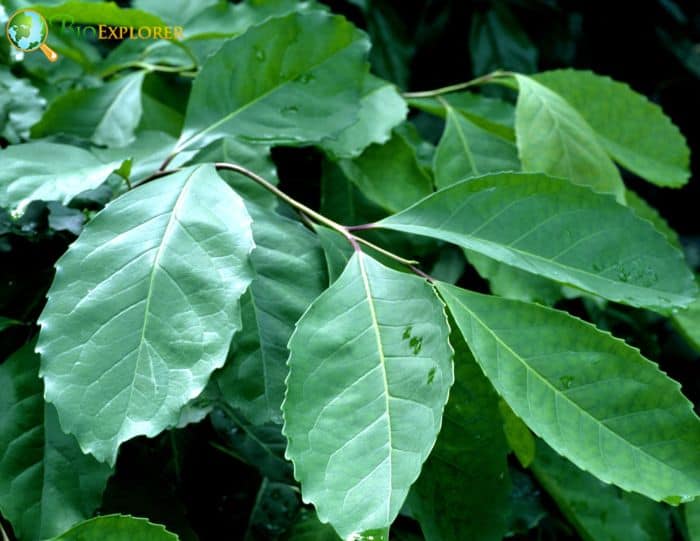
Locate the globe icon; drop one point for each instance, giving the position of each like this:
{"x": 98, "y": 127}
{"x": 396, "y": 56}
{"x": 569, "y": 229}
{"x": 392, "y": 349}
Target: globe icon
{"x": 27, "y": 30}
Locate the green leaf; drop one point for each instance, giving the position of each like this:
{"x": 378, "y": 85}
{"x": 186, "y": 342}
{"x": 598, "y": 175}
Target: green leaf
{"x": 599, "y": 512}
{"x": 465, "y": 150}
{"x": 289, "y": 275}
{"x": 46, "y": 483}
{"x": 106, "y": 115}
{"x": 519, "y": 437}
{"x": 590, "y": 396}
{"x": 76, "y": 12}
{"x": 255, "y": 158}
{"x": 692, "y": 518}
{"x": 336, "y": 249}
{"x": 31, "y": 171}
{"x": 634, "y": 131}
{"x": 471, "y": 451}
{"x": 389, "y": 174}
{"x": 491, "y": 114}
{"x": 117, "y": 528}
{"x": 642, "y": 209}
{"x": 555, "y": 139}
{"x": 21, "y": 106}
{"x": 513, "y": 283}
{"x": 365, "y": 393}
{"x": 309, "y": 528}
{"x": 262, "y": 446}
{"x": 497, "y": 41}
{"x": 392, "y": 46}
{"x": 381, "y": 109}
{"x": 550, "y": 227}
{"x": 6, "y": 323}
{"x": 293, "y": 80}
{"x": 175, "y": 12}
{"x": 143, "y": 308}
{"x": 688, "y": 323}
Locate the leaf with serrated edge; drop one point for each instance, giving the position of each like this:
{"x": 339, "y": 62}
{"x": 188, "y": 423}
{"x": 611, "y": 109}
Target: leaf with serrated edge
{"x": 294, "y": 79}
{"x": 633, "y": 130}
{"x": 590, "y": 396}
{"x": 550, "y": 227}
{"x": 365, "y": 393}
{"x": 46, "y": 483}
{"x": 117, "y": 528}
{"x": 554, "y": 138}
{"x": 466, "y": 150}
{"x": 289, "y": 274}
{"x": 143, "y": 308}
{"x": 599, "y": 512}
{"x": 31, "y": 171}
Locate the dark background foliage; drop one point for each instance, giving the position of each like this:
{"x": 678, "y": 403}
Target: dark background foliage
{"x": 654, "y": 45}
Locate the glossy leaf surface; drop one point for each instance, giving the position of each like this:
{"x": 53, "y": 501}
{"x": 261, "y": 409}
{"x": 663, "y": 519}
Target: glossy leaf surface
{"x": 593, "y": 398}
{"x": 550, "y": 227}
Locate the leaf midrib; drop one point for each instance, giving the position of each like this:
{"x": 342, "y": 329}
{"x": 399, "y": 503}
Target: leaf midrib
{"x": 556, "y": 392}
{"x": 195, "y": 137}
{"x": 385, "y": 381}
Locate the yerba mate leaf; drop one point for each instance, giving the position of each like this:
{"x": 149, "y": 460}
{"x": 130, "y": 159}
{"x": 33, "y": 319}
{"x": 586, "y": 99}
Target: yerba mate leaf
{"x": 295, "y": 79}
{"x": 46, "y": 483}
{"x": 466, "y": 150}
{"x": 143, "y": 307}
{"x": 381, "y": 109}
{"x": 598, "y": 512}
{"x": 471, "y": 451}
{"x": 107, "y": 115}
{"x": 290, "y": 273}
{"x": 31, "y": 171}
{"x": 550, "y": 227}
{"x": 117, "y": 528}
{"x": 590, "y": 396}
{"x": 554, "y": 138}
{"x": 365, "y": 393}
{"x": 633, "y": 130}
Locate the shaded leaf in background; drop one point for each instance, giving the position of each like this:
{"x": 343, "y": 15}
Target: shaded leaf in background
{"x": 497, "y": 41}
{"x": 276, "y": 507}
{"x": 550, "y": 227}
{"x": 518, "y": 435}
{"x": 381, "y": 109}
{"x": 6, "y": 323}
{"x": 295, "y": 79}
{"x": 598, "y": 511}
{"x": 389, "y": 174}
{"x": 46, "y": 483}
{"x": 21, "y": 106}
{"x": 491, "y": 114}
{"x": 554, "y": 138}
{"x": 86, "y": 12}
{"x": 688, "y": 322}
{"x": 289, "y": 274}
{"x": 633, "y": 130}
{"x": 365, "y": 393}
{"x": 336, "y": 249}
{"x": 692, "y": 518}
{"x": 117, "y": 528}
{"x": 309, "y": 528}
{"x": 30, "y": 171}
{"x": 155, "y": 320}
{"x": 465, "y": 150}
{"x": 262, "y": 446}
{"x": 463, "y": 491}
{"x": 174, "y": 12}
{"x": 106, "y": 115}
{"x": 592, "y": 397}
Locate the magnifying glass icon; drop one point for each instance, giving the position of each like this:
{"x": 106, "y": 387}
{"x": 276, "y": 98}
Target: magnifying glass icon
{"x": 27, "y": 30}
